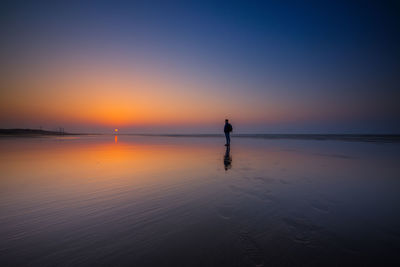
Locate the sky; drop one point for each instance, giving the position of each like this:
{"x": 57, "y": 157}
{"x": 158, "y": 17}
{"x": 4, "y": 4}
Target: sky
{"x": 185, "y": 66}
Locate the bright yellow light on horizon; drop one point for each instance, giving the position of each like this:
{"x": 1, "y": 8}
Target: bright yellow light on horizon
{"x": 116, "y": 130}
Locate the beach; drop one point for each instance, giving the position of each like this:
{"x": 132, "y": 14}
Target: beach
{"x": 126, "y": 200}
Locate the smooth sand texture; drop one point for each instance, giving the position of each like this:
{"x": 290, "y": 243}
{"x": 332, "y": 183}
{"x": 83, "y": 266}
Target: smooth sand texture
{"x": 168, "y": 201}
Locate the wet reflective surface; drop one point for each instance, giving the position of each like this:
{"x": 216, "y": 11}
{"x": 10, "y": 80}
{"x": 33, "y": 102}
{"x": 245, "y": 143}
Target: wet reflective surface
{"x": 190, "y": 201}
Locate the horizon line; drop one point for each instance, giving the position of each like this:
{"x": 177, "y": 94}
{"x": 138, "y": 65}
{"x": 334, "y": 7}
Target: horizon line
{"x": 370, "y": 138}
{"x": 196, "y": 134}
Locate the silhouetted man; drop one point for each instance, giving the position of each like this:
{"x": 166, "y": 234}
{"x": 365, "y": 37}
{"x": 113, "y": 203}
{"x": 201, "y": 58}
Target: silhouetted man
{"x": 227, "y": 131}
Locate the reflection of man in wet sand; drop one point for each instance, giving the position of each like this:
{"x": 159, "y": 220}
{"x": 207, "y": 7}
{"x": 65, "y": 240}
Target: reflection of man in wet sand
{"x": 227, "y": 158}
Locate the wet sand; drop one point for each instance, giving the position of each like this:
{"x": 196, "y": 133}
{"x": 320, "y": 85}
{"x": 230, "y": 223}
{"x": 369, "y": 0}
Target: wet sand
{"x": 170, "y": 201}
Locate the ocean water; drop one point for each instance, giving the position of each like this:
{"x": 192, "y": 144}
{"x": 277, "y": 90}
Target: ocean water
{"x": 189, "y": 201}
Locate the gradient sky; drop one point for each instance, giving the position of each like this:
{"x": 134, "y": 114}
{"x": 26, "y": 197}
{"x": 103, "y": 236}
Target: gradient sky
{"x": 185, "y": 66}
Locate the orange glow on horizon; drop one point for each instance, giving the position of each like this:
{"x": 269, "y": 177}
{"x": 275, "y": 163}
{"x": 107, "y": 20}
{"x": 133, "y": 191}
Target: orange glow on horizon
{"x": 97, "y": 95}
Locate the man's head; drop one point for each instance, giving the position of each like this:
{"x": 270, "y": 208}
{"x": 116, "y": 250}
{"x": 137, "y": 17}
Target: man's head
{"x": 226, "y": 120}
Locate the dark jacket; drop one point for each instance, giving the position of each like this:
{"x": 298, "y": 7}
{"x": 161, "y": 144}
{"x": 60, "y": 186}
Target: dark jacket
{"x": 228, "y": 128}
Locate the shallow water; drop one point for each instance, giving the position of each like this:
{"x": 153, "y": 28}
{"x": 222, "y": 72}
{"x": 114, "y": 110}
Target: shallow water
{"x": 187, "y": 201}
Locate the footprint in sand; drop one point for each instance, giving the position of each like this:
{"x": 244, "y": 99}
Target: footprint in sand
{"x": 301, "y": 225}
{"x": 302, "y": 230}
{"x": 320, "y": 207}
{"x": 264, "y": 179}
{"x": 284, "y": 181}
{"x": 302, "y": 238}
{"x": 261, "y": 195}
{"x": 225, "y": 212}
{"x": 251, "y": 250}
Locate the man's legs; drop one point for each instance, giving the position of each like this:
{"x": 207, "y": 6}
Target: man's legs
{"x": 228, "y": 138}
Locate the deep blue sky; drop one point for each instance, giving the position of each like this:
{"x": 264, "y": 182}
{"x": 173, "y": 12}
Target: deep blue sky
{"x": 323, "y": 66}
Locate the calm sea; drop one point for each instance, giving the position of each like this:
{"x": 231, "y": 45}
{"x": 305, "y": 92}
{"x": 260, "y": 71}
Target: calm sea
{"x": 171, "y": 201}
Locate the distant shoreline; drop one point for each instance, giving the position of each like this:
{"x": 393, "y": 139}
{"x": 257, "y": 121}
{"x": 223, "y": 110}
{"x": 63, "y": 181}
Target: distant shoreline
{"x": 31, "y": 132}
{"x": 385, "y": 138}
{"x": 389, "y": 138}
